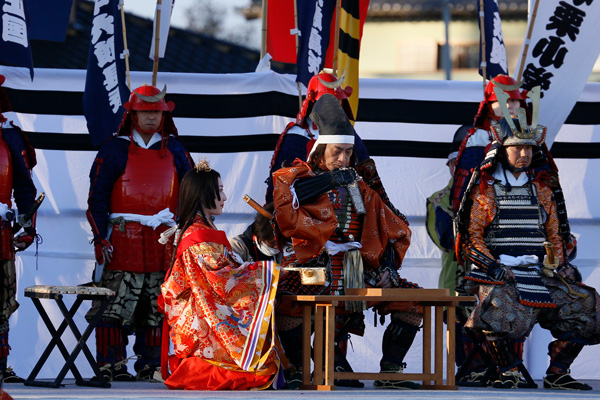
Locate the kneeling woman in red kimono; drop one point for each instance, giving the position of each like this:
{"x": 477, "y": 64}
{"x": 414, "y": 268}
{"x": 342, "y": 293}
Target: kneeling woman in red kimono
{"x": 219, "y": 309}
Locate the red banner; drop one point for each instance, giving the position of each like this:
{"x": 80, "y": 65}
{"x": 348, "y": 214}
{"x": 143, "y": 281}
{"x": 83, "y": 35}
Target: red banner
{"x": 281, "y": 45}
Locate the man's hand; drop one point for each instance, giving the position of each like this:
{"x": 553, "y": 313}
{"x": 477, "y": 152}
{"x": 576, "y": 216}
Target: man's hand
{"x": 384, "y": 280}
{"x": 103, "y": 251}
{"x": 501, "y": 273}
{"x": 490, "y": 160}
{"x": 343, "y": 176}
{"x": 23, "y": 241}
{"x": 570, "y": 272}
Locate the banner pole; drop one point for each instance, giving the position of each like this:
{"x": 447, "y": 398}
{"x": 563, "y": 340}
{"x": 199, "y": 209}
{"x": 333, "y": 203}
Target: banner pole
{"x": 125, "y": 50}
{"x": 527, "y": 39}
{"x": 297, "y": 46}
{"x": 482, "y": 35}
{"x": 336, "y": 40}
{"x": 156, "y": 42}
{"x": 263, "y": 40}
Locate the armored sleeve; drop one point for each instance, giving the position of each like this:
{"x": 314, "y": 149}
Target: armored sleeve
{"x": 482, "y": 214}
{"x": 23, "y": 188}
{"x": 182, "y": 158}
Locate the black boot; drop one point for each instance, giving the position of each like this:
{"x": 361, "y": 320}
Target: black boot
{"x": 503, "y": 352}
{"x": 397, "y": 339}
{"x": 7, "y": 373}
{"x": 111, "y": 352}
{"x": 291, "y": 341}
{"x": 477, "y": 369}
{"x": 562, "y": 354}
{"x": 346, "y": 324}
{"x": 148, "y": 346}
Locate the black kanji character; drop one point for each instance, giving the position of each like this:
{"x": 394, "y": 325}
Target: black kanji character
{"x": 550, "y": 51}
{"x": 566, "y": 20}
{"x": 534, "y": 76}
{"x": 580, "y": 2}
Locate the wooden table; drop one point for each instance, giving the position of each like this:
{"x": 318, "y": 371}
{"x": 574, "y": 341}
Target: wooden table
{"x": 324, "y": 310}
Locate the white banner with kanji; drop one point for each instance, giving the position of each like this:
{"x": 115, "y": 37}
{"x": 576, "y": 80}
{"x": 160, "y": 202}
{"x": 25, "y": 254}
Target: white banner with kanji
{"x": 562, "y": 51}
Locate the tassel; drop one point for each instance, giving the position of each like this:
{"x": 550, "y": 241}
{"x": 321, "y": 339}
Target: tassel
{"x": 164, "y": 236}
{"x": 354, "y": 278}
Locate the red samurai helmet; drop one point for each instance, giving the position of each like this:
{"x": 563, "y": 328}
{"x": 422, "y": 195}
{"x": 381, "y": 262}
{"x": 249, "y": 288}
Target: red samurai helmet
{"x": 319, "y": 85}
{"x": 510, "y": 86}
{"x": 148, "y": 98}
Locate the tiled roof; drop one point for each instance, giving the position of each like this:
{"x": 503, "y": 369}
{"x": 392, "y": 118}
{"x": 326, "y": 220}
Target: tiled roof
{"x": 186, "y": 51}
{"x": 421, "y": 9}
{"x": 432, "y": 9}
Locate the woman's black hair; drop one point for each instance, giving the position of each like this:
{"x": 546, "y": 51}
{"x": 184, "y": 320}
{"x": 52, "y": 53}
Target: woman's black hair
{"x": 197, "y": 191}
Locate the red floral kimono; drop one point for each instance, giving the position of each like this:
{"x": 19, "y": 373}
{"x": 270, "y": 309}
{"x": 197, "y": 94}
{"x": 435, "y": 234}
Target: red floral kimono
{"x": 220, "y": 314}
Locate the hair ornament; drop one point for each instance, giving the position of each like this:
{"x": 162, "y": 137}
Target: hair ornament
{"x": 203, "y": 165}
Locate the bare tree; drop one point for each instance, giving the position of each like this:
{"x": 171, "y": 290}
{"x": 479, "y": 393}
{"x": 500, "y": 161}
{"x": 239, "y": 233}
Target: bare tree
{"x": 206, "y": 17}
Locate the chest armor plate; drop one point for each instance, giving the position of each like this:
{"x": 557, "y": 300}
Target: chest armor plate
{"x": 518, "y": 228}
{"x": 148, "y": 185}
{"x": 350, "y": 224}
{"x": 6, "y": 173}
{"x": 348, "y": 219}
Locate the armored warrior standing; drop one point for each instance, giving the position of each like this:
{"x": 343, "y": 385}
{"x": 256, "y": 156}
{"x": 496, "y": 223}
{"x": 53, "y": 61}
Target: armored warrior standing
{"x": 17, "y": 158}
{"x": 134, "y": 185}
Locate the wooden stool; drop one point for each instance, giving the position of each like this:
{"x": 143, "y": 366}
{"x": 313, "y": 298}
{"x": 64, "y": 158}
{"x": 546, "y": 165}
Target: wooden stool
{"x": 56, "y": 293}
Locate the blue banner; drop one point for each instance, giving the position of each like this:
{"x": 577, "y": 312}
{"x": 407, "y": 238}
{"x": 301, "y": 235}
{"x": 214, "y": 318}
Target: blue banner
{"x": 48, "y": 20}
{"x": 105, "y": 88}
{"x": 495, "y": 52}
{"x": 14, "y": 40}
{"x": 314, "y": 22}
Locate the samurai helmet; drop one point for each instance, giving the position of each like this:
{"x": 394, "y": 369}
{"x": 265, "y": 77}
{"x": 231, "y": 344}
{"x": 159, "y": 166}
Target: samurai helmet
{"x": 325, "y": 82}
{"x": 516, "y": 131}
{"x": 321, "y": 84}
{"x": 506, "y": 84}
{"x": 148, "y": 98}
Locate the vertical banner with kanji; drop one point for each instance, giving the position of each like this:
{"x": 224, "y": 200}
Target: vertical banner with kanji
{"x": 562, "y": 51}
{"x": 14, "y": 41}
{"x": 495, "y": 52}
{"x": 314, "y": 23}
{"x": 105, "y": 88}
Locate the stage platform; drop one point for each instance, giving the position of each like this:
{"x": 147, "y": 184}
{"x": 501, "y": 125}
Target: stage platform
{"x": 156, "y": 391}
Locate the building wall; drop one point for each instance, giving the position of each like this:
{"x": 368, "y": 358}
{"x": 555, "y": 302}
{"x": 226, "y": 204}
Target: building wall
{"x": 410, "y": 50}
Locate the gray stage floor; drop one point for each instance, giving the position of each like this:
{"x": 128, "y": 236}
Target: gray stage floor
{"x": 155, "y": 391}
